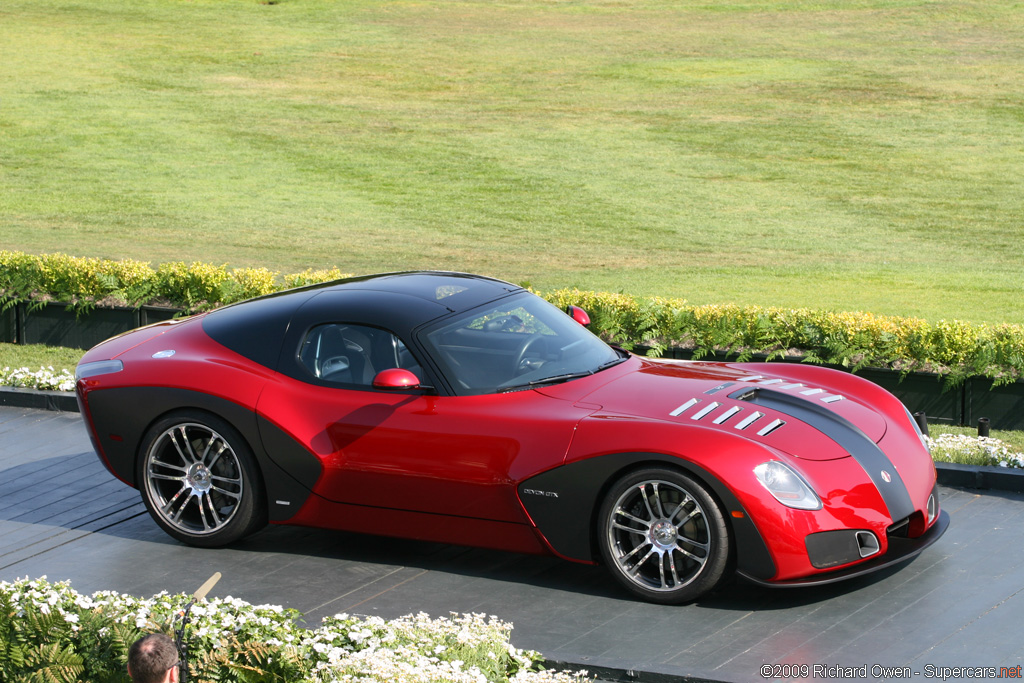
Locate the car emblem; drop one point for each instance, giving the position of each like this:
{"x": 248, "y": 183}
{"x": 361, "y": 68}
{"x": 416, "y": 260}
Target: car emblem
{"x": 164, "y": 354}
{"x": 886, "y": 476}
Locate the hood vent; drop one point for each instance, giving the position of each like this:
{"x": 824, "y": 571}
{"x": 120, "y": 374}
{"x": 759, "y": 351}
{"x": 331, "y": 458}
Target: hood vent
{"x": 683, "y": 408}
{"x": 703, "y": 412}
{"x": 726, "y": 415}
{"x": 772, "y": 426}
{"x": 751, "y": 394}
{"x": 749, "y": 420}
{"x": 781, "y": 385}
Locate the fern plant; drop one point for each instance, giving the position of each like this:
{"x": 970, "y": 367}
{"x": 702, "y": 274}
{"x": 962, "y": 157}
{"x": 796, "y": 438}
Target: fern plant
{"x": 38, "y": 647}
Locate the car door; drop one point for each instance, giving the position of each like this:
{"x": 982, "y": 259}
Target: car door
{"x": 449, "y": 455}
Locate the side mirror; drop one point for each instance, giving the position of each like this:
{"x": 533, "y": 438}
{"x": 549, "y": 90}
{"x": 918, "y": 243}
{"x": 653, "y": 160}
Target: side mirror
{"x": 395, "y": 378}
{"x": 578, "y": 314}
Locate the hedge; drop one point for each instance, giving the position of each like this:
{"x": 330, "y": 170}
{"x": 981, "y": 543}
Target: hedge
{"x": 954, "y": 349}
{"x": 87, "y": 282}
{"x": 951, "y": 348}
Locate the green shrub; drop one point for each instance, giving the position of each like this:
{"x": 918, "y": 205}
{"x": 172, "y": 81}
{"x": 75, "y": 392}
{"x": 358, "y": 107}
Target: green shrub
{"x": 80, "y": 282}
{"x": 246, "y": 283}
{"x": 313, "y": 277}
{"x": 86, "y": 282}
{"x": 196, "y": 287}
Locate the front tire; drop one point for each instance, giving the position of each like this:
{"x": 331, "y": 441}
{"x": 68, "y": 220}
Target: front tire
{"x": 663, "y": 536}
{"x": 199, "y": 480}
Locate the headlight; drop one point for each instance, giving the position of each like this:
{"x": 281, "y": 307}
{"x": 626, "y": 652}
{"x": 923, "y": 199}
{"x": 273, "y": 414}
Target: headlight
{"x": 100, "y": 367}
{"x": 788, "y": 487}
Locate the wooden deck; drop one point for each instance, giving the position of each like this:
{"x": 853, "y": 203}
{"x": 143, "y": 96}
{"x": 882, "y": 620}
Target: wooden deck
{"x": 62, "y": 515}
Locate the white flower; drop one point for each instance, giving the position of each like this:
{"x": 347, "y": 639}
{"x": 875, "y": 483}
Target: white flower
{"x": 44, "y": 379}
{"x": 412, "y": 649}
{"x": 986, "y": 450}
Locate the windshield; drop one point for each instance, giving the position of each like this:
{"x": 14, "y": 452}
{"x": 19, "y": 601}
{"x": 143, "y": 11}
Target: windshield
{"x": 518, "y": 342}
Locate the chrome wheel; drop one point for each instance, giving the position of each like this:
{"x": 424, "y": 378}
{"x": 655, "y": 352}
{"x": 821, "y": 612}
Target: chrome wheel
{"x": 663, "y": 536}
{"x": 193, "y": 479}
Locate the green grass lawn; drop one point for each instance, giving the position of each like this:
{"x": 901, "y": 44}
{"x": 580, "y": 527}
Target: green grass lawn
{"x": 855, "y": 154}
{"x": 36, "y": 356}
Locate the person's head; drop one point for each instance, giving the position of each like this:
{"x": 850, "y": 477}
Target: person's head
{"x": 153, "y": 659}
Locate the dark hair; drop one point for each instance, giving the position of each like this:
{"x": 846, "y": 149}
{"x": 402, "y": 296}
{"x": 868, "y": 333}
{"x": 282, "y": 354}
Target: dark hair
{"x": 150, "y": 657}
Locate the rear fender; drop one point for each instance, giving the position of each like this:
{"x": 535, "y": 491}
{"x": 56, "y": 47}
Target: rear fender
{"x": 121, "y": 417}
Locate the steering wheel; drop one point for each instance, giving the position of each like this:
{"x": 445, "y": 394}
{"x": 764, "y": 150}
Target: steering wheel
{"x": 505, "y": 323}
{"x": 525, "y": 346}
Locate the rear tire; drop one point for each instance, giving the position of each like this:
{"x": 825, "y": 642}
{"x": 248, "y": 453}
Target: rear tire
{"x": 663, "y": 536}
{"x": 199, "y": 480}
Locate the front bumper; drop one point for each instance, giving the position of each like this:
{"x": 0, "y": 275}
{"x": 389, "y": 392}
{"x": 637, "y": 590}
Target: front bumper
{"x": 900, "y": 550}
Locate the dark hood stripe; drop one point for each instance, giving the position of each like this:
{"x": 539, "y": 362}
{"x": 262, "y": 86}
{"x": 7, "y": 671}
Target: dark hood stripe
{"x": 846, "y": 434}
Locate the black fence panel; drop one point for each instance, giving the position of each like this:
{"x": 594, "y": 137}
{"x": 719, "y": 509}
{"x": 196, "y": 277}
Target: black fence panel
{"x": 9, "y": 325}
{"x": 157, "y": 314}
{"x": 1003, "y": 406}
{"x": 53, "y": 324}
{"x": 921, "y": 392}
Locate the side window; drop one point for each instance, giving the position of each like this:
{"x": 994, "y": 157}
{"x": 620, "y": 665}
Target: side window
{"x": 353, "y": 354}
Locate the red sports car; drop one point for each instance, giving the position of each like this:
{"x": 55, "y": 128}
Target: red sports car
{"x": 462, "y": 409}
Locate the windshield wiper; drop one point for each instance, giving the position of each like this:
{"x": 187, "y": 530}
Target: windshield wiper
{"x": 562, "y": 378}
{"x": 554, "y": 379}
{"x": 611, "y": 363}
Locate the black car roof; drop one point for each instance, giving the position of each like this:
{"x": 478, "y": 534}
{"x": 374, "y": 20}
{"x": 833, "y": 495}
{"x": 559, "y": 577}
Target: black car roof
{"x": 399, "y": 302}
{"x": 456, "y": 291}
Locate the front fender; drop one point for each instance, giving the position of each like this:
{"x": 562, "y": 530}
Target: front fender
{"x": 563, "y": 502}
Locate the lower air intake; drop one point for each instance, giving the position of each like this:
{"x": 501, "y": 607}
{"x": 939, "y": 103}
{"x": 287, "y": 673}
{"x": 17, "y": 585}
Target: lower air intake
{"x": 833, "y": 548}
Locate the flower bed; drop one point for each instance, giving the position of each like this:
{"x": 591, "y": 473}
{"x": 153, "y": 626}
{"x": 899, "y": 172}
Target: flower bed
{"x": 45, "y": 379}
{"x": 974, "y": 450}
{"x": 50, "y": 631}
